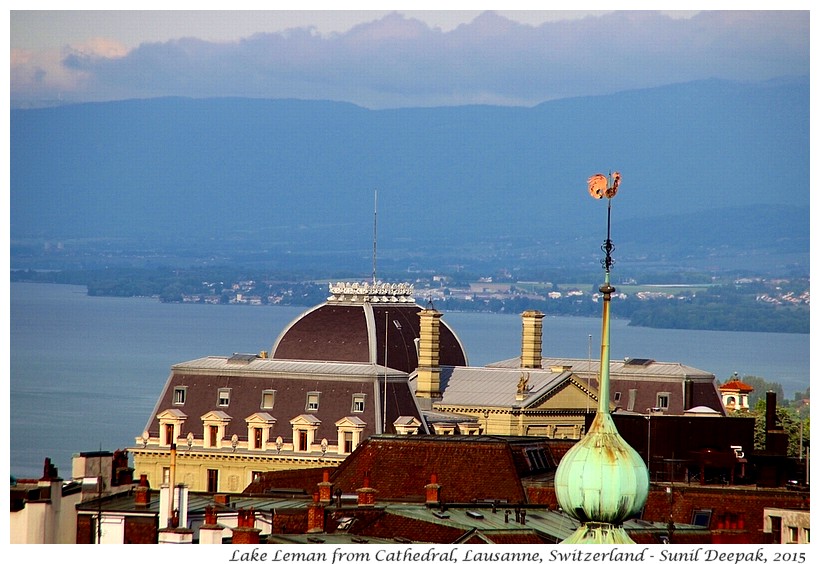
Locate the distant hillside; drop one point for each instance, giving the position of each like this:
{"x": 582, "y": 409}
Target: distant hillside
{"x": 703, "y": 166}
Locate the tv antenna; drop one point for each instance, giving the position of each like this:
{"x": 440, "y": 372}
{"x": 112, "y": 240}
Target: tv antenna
{"x": 375, "y": 213}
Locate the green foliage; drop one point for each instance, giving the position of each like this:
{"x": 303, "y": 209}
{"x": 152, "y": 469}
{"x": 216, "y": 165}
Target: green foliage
{"x": 761, "y": 386}
{"x": 787, "y": 418}
{"x": 726, "y": 312}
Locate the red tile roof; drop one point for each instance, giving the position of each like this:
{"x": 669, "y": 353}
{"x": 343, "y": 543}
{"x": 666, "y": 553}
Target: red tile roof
{"x": 400, "y": 468}
{"x": 736, "y": 385}
{"x": 467, "y": 468}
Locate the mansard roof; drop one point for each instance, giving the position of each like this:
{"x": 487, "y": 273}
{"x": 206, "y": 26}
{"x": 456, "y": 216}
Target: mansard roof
{"x": 376, "y": 324}
{"x": 290, "y": 382}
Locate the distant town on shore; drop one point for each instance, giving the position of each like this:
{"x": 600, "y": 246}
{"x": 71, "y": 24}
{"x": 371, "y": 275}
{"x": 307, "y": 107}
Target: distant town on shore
{"x": 693, "y": 302}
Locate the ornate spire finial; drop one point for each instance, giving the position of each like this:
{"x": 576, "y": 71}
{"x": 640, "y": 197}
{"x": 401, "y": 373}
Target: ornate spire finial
{"x": 602, "y": 187}
{"x": 602, "y": 480}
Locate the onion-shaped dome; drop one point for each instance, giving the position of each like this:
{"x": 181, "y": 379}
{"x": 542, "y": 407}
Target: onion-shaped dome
{"x": 602, "y": 480}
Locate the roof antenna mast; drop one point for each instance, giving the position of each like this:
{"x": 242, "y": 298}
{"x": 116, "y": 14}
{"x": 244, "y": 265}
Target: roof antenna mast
{"x": 375, "y": 211}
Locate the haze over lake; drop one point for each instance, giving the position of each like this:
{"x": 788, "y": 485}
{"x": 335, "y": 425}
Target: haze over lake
{"x": 86, "y": 372}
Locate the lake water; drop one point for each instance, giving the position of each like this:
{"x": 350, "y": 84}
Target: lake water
{"x": 86, "y": 372}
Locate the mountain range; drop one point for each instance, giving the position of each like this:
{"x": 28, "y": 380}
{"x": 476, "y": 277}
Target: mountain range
{"x": 712, "y": 172}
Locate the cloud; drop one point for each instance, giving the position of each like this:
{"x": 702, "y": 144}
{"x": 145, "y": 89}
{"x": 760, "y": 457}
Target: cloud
{"x": 45, "y": 76}
{"x": 400, "y": 61}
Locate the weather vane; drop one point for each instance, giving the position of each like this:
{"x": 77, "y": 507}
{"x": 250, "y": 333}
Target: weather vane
{"x": 602, "y": 187}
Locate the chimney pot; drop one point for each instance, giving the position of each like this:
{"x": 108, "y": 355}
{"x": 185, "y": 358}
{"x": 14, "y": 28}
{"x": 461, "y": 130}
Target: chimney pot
{"x": 429, "y": 369}
{"x": 531, "y": 334}
{"x": 325, "y": 488}
{"x": 316, "y": 516}
{"x": 366, "y": 496}
{"x": 142, "y": 493}
{"x": 433, "y": 491}
{"x": 210, "y": 515}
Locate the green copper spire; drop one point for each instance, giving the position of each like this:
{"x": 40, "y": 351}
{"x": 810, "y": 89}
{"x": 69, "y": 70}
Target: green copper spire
{"x": 602, "y": 481}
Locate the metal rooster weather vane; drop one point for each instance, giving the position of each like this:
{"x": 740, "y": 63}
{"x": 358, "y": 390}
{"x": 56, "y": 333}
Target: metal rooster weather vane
{"x": 602, "y": 481}
{"x": 602, "y": 187}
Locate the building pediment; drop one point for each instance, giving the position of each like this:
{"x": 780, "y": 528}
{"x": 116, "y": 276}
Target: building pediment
{"x": 216, "y": 417}
{"x": 569, "y": 392}
{"x": 351, "y": 421}
{"x": 172, "y": 414}
{"x": 261, "y": 418}
{"x": 407, "y": 420}
{"x": 306, "y": 419}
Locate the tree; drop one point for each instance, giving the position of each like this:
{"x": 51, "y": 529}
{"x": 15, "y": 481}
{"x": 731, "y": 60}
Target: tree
{"x": 788, "y": 420}
{"x": 761, "y": 386}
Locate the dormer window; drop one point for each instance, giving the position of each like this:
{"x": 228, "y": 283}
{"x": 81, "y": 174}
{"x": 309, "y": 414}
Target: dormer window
{"x": 662, "y": 401}
{"x": 358, "y": 403}
{"x": 407, "y": 425}
{"x": 349, "y": 433}
{"x": 267, "y": 399}
{"x": 469, "y": 428}
{"x": 223, "y": 397}
{"x": 259, "y": 426}
{"x": 214, "y": 428}
{"x": 179, "y": 395}
{"x": 537, "y": 458}
{"x": 170, "y": 422}
{"x": 304, "y": 431}
{"x": 444, "y": 428}
{"x": 312, "y": 403}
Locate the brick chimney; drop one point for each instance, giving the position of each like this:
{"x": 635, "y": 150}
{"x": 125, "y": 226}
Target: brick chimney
{"x": 142, "y": 493}
{"x": 531, "y": 334}
{"x": 316, "y": 515}
{"x": 210, "y": 515}
{"x": 433, "y": 491}
{"x": 210, "y": 532}
{"x": 325, "y": 488}
{"x": 245, "y": 532}
{"x": 366, "y": 494}
{"x": 777, "y": 438}
{"x": 429, "y": 371}
{"x": 49, "y": 471}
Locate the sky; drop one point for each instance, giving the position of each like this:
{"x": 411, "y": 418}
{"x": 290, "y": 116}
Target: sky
{"x": 389, "y": 58}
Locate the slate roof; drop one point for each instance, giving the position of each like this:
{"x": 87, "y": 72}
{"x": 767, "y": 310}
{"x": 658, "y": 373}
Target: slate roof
{"x": 479, "y": 386}
{"x": 647, "y": 376}
{"x": 356, "y": 332}
{"x": 618, "y": 368}
{"x": 336, "y": 382}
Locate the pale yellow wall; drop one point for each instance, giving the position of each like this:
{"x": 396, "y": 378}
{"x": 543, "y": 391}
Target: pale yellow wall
{"x": 502, "y": 421}
{"x": 546, "y": 419}
{"x": 235, "y": 471}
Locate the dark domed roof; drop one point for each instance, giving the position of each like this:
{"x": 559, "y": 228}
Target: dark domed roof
{"x": 355, "y": 321}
